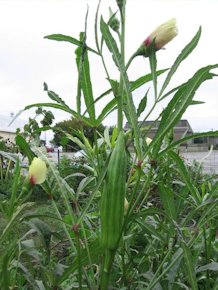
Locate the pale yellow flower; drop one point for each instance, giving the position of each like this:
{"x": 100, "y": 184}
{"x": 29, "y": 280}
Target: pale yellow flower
{"x": 37, "y": 171}
{"x": 148, "y": 140}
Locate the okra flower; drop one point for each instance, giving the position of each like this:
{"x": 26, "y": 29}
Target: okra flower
{"x": 37, "y": 171}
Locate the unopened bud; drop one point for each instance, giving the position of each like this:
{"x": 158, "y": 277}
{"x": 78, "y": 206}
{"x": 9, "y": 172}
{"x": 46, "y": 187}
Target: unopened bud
{"x": 161, "y": 36}
{"x": 126, "y": 205}
{"x": 113, "y": 21}
{"x": 148, "y": 140}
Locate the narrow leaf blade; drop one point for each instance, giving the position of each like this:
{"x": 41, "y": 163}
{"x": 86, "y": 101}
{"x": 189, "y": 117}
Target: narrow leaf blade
{"x": 183, "y": 55}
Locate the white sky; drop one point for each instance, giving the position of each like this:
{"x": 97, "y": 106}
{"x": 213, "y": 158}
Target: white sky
{"x": 27, "y": 60}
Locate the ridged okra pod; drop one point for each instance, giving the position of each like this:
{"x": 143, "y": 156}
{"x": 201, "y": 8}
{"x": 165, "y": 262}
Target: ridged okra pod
{"x": 113, "y": 196}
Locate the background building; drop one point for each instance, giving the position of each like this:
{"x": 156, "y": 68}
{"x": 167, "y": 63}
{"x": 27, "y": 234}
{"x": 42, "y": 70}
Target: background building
{"x": 181, "y": 130}
{"x": 9, "y": 132}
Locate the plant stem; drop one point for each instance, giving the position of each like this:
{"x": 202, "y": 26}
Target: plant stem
{"x": 96, "y": 150}
{"x": 79, "y": 260}
{"x": 122, "y": 50}
{"x": 107, "y": 264}
{"x": 130, "y": 60}
{"x": 207, "y": 259}
{"x": 64, "y": 226}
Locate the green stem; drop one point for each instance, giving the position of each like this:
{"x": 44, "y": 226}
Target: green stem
{"x": 99, "y": 48}
{"x": 79, "y": 260}
{"x": 120, "y": 113}
{"x": 130, "y": 60}
{"x": 124, "y": 274}
{"x": 107, "y": 264}
{"x": 98, "y": 166}
{"x": 64, "y": 226}
{"x": 206, "y": 258}
{"x": 122, "y": 50}
{"x": 7, "y": 170}
{"x": 1, "y": 166}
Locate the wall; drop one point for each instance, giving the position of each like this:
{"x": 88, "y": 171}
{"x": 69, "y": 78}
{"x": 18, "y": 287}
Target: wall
{"x": 7, "y": 135}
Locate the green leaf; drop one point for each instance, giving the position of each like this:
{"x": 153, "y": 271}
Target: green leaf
{"x": 98, "y": 99}
{"x": 144, "y": 79}
{"x": 95, "y": 251}
{"x": 172, "y": 91}
{"x": 15, "y": 218}
{"x": 61, "y": 37}
{"x": 107, "y": 137}
{"x": 53, "y": 96}
{"x": 196, "y": 135}
{"x": 114, "y": 136}
{"x": 27, "y": 274}
{"x": 63, "y": 108}
{"x": 111, "y": 44}
{"x": 180, "y": 102}
{"x": 153, "y": 66}
{"x": 85, "y": 79}
{"x": 189, "y": 267}
{"x": 84, "y": 183}
{"x": 174, "y": 270}
{"x": 15, "y": 184}
{"x": 131, "y": 115}
{"x": 11, "y": 156}
{"x": 183, "y": 55}
{"x": 213, "y": 266}
{"x": 134, "y": 84}
{"x": 186, "y": 177}
{"x": 167, "y": 198}
{"x": 149, "y": 229}
{"x": 121, "y": 3}
{"x": 111, "y": 106}
{"x": 43, "y": 230}
{"x": 24, "y": 147}
{"x": 167, "y": 267}
{"x": 142, "y": 104}
{"x": 5, "y": 274}
{"x": 196, "y": 102}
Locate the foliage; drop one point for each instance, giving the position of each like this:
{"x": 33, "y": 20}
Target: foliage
{"x": 167, "y": 236}
{"x": 73, "y": 170}
{"x": 32, "y": 129}
{"x": 71, "y": 127}
{"x": 7, "y": 145}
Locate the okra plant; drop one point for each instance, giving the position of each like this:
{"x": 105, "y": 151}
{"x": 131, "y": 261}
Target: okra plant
{"x": 138, "y": 220}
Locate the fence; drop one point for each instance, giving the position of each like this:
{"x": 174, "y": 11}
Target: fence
{"x": 208, "y": 159}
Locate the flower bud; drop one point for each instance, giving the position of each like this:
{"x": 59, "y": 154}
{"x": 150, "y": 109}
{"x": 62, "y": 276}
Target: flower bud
{"x": 113, "y": 21}
{"x": 37, "y": 171}
{"x": 148, "y": 140}
{"x": 161, "y": 36}
{"x": 121, "y": 3}
{"x": 126, "y": 205}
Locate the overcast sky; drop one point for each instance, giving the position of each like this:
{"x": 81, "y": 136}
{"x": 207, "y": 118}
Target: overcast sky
{"x": 27, "y": 60}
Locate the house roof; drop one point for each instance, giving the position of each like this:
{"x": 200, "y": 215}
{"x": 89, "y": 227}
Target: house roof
{"x": 5, "y": 122}
{"x": 182, "y": 125}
